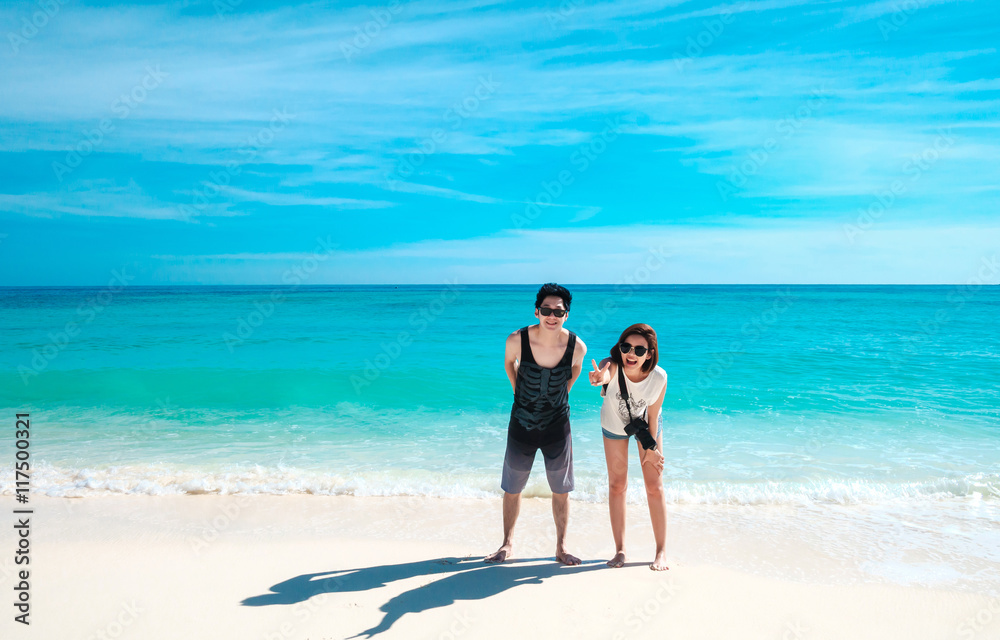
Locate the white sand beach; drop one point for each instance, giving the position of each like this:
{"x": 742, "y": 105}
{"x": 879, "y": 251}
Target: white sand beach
{"x": 315, "y": 567}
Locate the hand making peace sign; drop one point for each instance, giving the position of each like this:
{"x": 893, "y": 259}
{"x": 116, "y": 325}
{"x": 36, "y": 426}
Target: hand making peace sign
{"x": 597, "y": 375}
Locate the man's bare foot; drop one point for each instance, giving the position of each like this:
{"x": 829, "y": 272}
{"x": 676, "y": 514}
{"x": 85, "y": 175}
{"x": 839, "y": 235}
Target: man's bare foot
{"x": 659, "y": 562}
{"x": 567, "y": 558}
{"x": 618, "y": 560}
{"x": 501, "y": 554}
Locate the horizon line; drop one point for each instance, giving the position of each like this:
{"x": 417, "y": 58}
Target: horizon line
{"x": 509, "y": 284}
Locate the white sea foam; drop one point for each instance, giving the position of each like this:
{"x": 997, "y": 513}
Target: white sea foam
{"x": 57, "y": 481}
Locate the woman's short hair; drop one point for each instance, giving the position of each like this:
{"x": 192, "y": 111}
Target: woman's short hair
{"x": 646, "y": 331}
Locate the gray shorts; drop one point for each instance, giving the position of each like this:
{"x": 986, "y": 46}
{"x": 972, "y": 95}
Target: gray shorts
{"x": 519, "y": 457}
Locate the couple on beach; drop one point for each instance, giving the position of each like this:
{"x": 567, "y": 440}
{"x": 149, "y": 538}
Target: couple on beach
{"x": 542, "y": 362}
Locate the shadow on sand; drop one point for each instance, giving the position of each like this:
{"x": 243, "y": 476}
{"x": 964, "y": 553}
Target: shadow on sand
{"x": 470, "y": 579}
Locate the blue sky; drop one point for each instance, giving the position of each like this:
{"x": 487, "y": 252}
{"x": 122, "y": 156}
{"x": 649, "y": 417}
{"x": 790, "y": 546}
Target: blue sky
{"x": 228, "y": 141}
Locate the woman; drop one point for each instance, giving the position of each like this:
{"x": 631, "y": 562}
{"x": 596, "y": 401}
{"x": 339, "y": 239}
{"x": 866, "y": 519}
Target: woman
{"x": 636, "y": 354}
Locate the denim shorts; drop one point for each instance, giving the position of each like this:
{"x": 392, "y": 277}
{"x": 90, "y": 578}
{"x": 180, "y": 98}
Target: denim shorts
{"x": 616, "y": 436}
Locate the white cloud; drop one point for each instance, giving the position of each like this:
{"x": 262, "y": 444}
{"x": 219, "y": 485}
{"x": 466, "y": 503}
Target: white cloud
{"x": 102, "y": 198}
{"x": 753, "y": 253}
{"x": 296, "y": 199}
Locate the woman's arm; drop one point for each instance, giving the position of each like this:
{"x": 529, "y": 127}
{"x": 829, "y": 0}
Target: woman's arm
{"x": 653, "y": 411}
{"x": 602, "y": 373}
{"x": 652, "y": 418}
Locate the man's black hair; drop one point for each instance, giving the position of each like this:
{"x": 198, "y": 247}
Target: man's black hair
{"x": 553, "y": 289}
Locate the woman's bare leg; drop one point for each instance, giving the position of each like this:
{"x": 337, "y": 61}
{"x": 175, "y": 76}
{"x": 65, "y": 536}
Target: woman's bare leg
{"x": 616, "y": 455}
{"x": 653, "y": 478}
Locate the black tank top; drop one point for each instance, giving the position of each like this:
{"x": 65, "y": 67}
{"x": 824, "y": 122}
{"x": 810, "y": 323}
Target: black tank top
{"x": 540, "y": 414}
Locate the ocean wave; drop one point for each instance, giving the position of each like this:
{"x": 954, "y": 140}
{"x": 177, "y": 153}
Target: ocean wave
{"x": 158, "y": 480}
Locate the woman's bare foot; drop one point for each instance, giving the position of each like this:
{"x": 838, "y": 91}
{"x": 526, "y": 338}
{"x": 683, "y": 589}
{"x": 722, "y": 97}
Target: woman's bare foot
{"x": 501, "y": 554}
{"x": 618, "y": 560}
{"x": 659, "y": 562}
{"x": 566, "y": 558}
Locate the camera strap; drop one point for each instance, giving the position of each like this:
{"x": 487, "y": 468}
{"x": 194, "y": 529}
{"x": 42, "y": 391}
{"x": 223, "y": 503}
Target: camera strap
{"x": 623, "y": 389}
{"x": 644, "y": 436}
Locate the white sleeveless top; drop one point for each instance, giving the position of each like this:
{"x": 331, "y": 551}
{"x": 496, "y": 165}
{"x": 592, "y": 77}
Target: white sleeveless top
{"x": 614, "y": 415}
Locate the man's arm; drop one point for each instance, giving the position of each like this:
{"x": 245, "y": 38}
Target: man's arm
{"x": 511, "y": 358}
{"x": 578, "y": 354}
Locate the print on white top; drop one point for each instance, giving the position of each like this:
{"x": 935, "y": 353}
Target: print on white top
{"x": 614, "y": 415}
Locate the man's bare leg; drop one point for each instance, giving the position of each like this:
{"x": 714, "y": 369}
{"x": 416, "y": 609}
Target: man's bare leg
{"x": 511, "y": 509}
{"x": 560, "y": 513}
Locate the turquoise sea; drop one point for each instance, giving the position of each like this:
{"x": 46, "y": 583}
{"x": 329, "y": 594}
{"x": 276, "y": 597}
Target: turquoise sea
{"x": 876, "y": 396}
{"x": 835, "y": 393}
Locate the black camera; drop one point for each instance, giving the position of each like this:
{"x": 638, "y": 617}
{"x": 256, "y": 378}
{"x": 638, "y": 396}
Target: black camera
{"x": 640, "y": 429}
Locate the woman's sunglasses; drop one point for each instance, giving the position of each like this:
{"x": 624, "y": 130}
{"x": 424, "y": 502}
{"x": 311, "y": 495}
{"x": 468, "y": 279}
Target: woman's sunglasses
{"x": 626, "y": 348}
{"x": 545, "y": 311}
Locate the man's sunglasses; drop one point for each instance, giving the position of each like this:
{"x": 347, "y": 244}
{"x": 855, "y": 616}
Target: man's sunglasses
{"x": 545, "y": 311}
{"x": 639, "y": 351}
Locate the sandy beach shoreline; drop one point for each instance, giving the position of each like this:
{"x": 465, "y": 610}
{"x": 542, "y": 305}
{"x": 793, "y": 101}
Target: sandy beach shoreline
{"x": 314, "y": 567}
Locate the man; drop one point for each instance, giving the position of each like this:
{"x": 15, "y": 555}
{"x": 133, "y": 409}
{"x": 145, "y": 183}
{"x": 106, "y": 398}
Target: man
{"x": 542, "y": 362}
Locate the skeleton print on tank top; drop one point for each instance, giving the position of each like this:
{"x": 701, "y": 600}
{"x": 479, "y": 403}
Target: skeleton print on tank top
{"x": 540, "y": 413}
